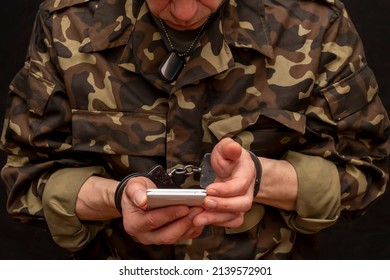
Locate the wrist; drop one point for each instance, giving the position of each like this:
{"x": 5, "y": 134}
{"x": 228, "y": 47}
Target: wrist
{"x": 95, "y": 199}
{"x": 258, "y": 174}
{"x": 279, "y": 184}
{"x": 156, "y": 174}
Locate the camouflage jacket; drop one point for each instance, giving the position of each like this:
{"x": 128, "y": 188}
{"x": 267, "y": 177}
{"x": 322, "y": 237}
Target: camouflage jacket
{"x": 286, "y": 79}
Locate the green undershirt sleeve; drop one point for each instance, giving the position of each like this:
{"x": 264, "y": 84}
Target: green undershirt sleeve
{"x": 59, "y": 200}
{"x": 318, "y": 201}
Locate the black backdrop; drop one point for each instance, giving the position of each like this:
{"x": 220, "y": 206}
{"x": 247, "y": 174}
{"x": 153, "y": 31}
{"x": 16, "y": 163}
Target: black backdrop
{"x": 365, "y": 238}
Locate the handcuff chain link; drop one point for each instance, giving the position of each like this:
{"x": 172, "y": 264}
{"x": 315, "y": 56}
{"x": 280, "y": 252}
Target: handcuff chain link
{"x": 185, "y": 170}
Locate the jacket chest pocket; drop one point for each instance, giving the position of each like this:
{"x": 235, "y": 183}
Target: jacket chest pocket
{"x": 119, "y": 133}
{"x": 268, "y": 132}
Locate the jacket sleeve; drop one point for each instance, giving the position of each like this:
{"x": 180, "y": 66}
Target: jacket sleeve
{"x": 37, "y": 138}
{"x": 341, "y": 163}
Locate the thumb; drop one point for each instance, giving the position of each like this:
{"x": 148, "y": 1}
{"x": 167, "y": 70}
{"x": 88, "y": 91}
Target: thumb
{"x": 136, "y": 190}
{"x": 140, "y": 198}
{"x": 225, "y": 156}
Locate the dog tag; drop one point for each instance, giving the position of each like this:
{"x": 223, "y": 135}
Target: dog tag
{"x": 171, "y": 67}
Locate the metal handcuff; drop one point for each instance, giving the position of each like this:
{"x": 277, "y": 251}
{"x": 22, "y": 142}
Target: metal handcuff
{"x": 162, "y": 179}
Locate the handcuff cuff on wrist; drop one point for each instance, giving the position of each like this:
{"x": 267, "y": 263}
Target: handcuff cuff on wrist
{"x": 162, "y": 179}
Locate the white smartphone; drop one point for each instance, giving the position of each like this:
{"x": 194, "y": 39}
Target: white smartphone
{"x": 166, "y": 197}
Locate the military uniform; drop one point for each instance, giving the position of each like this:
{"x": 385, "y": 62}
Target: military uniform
{"x": 285, "y": 79}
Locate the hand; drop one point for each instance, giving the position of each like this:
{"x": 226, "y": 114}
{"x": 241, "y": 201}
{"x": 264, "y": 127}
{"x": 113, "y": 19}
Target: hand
{"x": 165, "y": 225}
{"x": 231, "y": 195}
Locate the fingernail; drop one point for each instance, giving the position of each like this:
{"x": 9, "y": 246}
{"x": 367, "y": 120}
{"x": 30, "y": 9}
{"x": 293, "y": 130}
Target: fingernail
{"x": 209, "y": 203}
{"x": 194, "y": 212}
{"x": 140, "y": 199}
{"x": 201, "y": 222}
{"x": 211, "y": 191}
{"x": 182, "y": 212}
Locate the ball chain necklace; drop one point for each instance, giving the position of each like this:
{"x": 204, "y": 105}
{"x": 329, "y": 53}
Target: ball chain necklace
{"x": 174, "y": 63}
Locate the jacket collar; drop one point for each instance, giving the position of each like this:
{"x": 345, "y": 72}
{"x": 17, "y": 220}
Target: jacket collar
{"x": 56, "y": 5}
{"x": 243, "y": 26}
{"x": 113, "y": 23}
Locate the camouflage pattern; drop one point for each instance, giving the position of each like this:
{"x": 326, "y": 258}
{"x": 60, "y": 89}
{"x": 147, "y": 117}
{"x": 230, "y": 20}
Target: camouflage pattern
{"x": 275, "y": 75}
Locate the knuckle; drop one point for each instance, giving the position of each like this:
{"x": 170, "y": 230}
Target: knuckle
{"x": 128, "y": 227}
{"x": 238, "y": 221}
{"x": 144, "y": 241}
{"x": 167, "y": 239}
{"x": 153, "y": 221}
{"x": 247, "y": 204}
{"x": 195, "y": 234}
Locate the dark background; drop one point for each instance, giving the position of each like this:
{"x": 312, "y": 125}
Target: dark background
{"x": 365, "y": 238}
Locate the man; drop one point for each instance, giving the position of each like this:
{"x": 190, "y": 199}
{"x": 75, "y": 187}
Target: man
{"x": 277, "y": 91}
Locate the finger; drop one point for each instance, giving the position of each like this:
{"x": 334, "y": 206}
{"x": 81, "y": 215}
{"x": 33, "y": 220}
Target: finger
{"x": 166, "y": 215}
{"x": 194, "y": 211}
{"x": 137, "y": 222}
{"x": 238, "y": 183}
{"x": 229, "y": 149}
{"x": 237, "y": 186}
{"x": 192, "y": 232}
{"x": 224, "y": 157}
{"x": 229, "y": 204}
{"x": 225, "y": 219}
{"x": 179, "y": 229}
{"x": 232, "y": 223}
{"x": 160, "y": 217}
{"x": 135, "y": 191}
